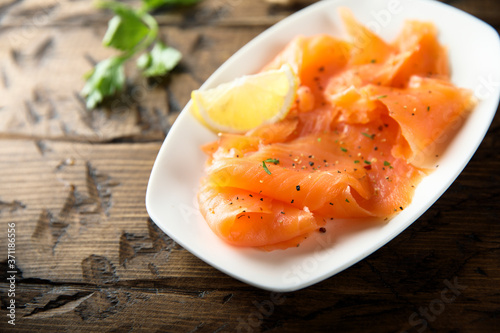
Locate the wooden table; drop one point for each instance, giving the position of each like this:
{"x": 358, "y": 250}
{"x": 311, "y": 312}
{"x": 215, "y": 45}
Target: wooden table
{"x": 88, "y": 257}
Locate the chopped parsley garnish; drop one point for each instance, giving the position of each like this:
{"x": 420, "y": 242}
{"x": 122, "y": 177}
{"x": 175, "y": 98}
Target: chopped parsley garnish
{"x": 369, "y": 136}
{"x": 387, "y": 163}
{"x": 381, "y": 96}
{"x": 368, "y": 162}
{"x": 343, "y": 149}
{"x": 265, "y": 168}
{"x": 269, "y": 160}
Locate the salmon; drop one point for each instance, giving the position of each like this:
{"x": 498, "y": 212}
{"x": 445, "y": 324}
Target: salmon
{"x": 352, "y": 146}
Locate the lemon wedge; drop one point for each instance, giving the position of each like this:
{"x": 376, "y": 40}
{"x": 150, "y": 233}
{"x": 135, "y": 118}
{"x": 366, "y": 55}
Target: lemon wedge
{"x": 247, "y": 102}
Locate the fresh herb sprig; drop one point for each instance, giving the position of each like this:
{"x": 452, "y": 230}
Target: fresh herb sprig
{"x": 130, "y": 31}
{"x": 269, "y": 160}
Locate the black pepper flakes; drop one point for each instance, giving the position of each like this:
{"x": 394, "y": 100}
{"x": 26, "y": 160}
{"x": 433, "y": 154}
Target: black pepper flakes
{"x": 322, "y": 230}
{"x": 297, "y": 187}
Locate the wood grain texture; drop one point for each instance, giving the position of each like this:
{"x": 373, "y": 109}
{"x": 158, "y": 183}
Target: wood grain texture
{"x": 89, "y": 259}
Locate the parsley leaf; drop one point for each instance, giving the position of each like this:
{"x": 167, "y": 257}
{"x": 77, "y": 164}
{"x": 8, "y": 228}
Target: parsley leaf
{"x": 125, "y": 30}
{"x": 105, "y": 79}
{"x": 161, "y": 60}
{"x": 131, "y": 31}
{"x": 153, "y": 4}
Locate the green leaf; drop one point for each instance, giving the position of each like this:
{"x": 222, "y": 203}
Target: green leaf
{"x": 269, "y": 160}
{"x": 153, "y": 4}
{"x": 272, "y": 160}
{"x": 161, "y": 60}
{"x": 265, "y": 168}
{"x": 126, "y": 29}
{"x": 369, "y": 136}
{"x": 105, "y": 79}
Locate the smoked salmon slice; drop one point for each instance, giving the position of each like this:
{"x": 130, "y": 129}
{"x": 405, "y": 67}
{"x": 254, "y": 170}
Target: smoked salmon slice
{"x": 366, "y": 116}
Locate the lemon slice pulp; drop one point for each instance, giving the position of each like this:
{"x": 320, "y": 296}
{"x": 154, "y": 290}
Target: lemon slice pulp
{"x": 246, "y": 102}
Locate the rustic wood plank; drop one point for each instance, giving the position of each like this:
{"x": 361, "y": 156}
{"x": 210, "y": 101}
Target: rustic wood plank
{"x": 69, "y": 193}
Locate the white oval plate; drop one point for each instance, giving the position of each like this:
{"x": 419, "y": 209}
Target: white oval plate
{"x": 474, "y": 49}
